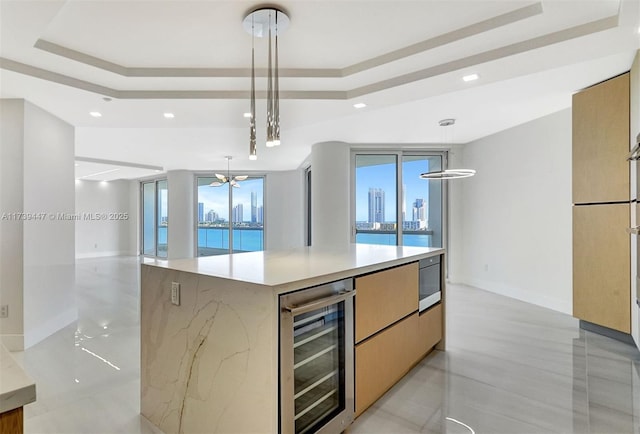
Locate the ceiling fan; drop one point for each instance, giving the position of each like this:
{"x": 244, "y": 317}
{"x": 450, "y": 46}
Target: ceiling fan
{"x": 224, "y": 179}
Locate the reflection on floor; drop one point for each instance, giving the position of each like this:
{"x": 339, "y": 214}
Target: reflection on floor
{"x": 510, "y": 367}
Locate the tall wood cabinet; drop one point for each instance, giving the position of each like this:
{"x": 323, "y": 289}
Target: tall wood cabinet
{"x": 601, "y": 205}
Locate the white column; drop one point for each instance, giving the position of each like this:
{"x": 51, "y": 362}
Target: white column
{"x": 181, "y": 232}
{"x": 11, "y": 231}
{"x": 330, "y": 197}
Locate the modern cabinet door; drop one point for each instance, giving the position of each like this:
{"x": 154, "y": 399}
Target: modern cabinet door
{"x": 601, "y": 142}
{"x": 602, "y": 265}
{"x": 383, "y": 359}
{"x": 430, "y": 329}
{"x": 385, "y": 297}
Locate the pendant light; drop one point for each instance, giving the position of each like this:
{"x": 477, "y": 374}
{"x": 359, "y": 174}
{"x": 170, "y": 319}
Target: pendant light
{"x": 448, "y": 173}
{"x": 222, "y": 179}
{"x": 267, "y": 22}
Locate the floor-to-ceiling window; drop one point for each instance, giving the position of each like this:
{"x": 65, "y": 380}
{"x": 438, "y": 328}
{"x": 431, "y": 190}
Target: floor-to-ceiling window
{"x": 155, "y": 219}
{"x": 393, "y": 205}
{"x": 376, "y": 204}
{"x": 230, "y": 219}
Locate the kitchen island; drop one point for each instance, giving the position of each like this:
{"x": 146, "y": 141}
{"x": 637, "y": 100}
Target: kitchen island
{"x": 210, "y": 330}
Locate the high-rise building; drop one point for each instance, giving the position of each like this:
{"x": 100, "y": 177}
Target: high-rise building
{"x": 420, "y": 211}
{"x": 237, "y": 215}
{"x": 260, "y": 216}
{"x": 200, "y": 212}
{"x": 254, "y": 207}
{"x": 211, "y": 216}
{"x": 376, "y": 205}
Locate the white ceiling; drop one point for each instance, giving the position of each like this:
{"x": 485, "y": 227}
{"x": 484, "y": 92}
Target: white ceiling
{"x": 404, "y": 59}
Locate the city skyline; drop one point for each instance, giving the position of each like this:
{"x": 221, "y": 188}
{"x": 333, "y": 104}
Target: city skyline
{"x": 379, "y": 171}
{"x": 217, "y": 198}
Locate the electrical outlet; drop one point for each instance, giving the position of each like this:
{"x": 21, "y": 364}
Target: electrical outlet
{"x": 4, "y": 311}
{"x": 175, "y": 293}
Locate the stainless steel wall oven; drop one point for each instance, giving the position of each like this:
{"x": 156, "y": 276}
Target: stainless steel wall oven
{"x": 430, "y": 273}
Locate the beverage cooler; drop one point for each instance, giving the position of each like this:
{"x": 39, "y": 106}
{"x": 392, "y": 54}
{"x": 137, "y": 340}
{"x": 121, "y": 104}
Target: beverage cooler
{"x": 316, "y": 359}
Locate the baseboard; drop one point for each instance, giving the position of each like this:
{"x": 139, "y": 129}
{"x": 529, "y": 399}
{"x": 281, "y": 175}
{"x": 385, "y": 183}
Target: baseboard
{"x": 13, "y": 342}
{"x": 104, "y": 254}
{"x": 606, "y": 331}
{"x": 564, "y": 306}
{"x": 37, "y": 334}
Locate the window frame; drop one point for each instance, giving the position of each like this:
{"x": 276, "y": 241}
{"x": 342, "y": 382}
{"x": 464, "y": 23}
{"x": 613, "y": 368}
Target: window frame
{"x": 250, "y": 175}
{"x": 399, "y": 154}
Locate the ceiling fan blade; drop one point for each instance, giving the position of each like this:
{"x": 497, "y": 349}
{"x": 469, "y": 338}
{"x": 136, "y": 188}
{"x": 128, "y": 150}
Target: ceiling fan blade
{"x": 241, "y": 177}
{"x": 215, "y": 184}
{"x": 221, "y": 177}
{"x": 236, "y": 185}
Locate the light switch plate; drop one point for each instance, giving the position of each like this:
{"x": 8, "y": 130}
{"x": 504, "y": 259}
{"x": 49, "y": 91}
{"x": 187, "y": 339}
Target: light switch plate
{"x": 175, "y": 293}
{"x": 4, "y": 311}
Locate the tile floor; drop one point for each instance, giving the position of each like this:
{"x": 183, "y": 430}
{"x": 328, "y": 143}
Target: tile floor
{"x": 510, "y": 367}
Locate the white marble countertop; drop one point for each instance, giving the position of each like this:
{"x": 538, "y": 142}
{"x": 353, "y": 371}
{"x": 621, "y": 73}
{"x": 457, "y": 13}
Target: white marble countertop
{"x": 16, "y": 388}
{"x": 285, "y": 270}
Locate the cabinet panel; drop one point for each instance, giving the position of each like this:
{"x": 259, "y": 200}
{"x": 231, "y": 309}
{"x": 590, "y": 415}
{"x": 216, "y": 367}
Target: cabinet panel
{"x": 383, "y": 359}
{"x": 601, "y": 142}
{"x": 602, "y": 265}
{"x": 385, "y": 297}
{"x": 430, "y": 329}
{"x": 12, "y": 421}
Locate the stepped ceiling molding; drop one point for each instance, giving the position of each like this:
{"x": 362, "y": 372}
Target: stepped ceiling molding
{"x": 399, "y": 57}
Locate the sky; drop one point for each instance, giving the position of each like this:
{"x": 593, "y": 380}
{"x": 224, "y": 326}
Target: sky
{"x": 217, "y": 198}
{"x": 383, "y": 176}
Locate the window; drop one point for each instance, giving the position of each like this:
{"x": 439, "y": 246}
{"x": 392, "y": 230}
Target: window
{"x": 155, "y": 220}
{"x": 393, "y": 206}
{"x": 243, "y": 207}
{"x": 376, "y": 204}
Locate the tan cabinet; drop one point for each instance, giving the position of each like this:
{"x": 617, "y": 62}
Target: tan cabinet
{"x": 384, "y": 359}
{"x": 601, "y": 265}
{"x": 385, "y": 297}
{"x": 601, "y": 142}
{"x": 430, "y": 329}
{"x": 391, "y": 336}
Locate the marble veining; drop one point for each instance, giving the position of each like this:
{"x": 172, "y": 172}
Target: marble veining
{"x": 206, "y": 360}
{"x": 511, "y": 367}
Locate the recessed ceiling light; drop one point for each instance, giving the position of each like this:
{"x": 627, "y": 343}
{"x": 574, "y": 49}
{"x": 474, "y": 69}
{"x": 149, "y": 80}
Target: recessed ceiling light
{"x": 247, "y": 115}
{"x": 470, "y": 77}
{"x": 169, "y": 115}
{"x": 77, "y": 164}
{"x": 96, "y": 114}
{"x": 360, "y": 105}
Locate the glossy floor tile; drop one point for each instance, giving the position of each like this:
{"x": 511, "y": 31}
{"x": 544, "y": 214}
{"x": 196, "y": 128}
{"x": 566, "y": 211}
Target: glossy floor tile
{"x": 510, "y": 367}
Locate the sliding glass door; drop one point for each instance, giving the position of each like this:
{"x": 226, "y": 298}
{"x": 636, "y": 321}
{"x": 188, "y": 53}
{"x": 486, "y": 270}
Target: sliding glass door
{"x": 393, "y": 205}
{"x": 155, "y": 219}
{"x": 230, "y": 219}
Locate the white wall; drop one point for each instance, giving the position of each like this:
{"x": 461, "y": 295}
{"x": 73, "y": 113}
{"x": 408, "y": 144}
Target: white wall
{"x": 517, "y": 213}
{"x": 284, "y": 203}
{"x": 104, "y": 237}
{"x": 11, "y": 231}
{"x": 49, "y": 245}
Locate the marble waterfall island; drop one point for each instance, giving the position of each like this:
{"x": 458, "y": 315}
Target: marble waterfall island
{"x": 210, "y": 363}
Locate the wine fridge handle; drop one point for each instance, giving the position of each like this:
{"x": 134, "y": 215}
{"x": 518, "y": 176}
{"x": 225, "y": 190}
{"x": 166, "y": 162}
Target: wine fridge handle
{"x": 319, "y": 304}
